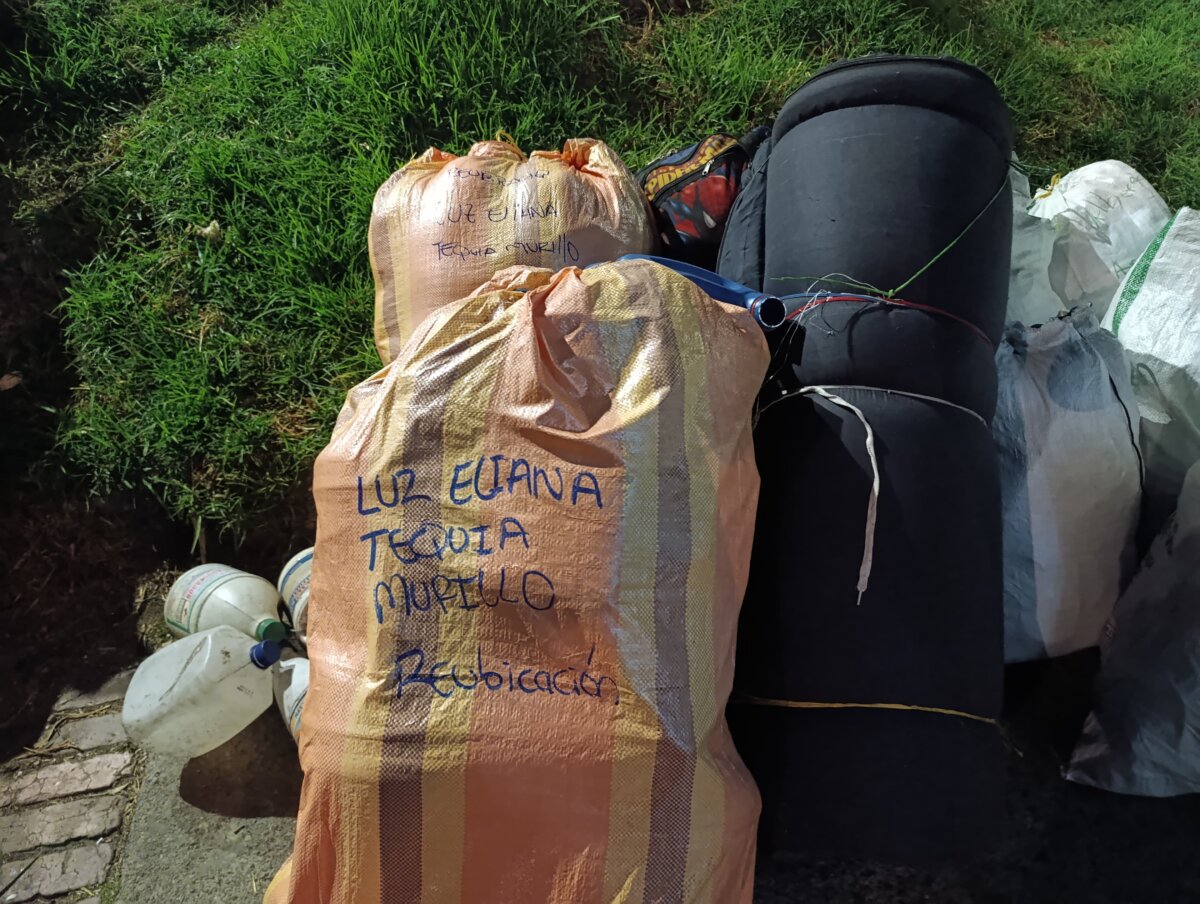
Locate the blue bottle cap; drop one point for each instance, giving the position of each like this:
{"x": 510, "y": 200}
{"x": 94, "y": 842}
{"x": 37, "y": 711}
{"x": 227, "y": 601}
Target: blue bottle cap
{"x": 265, "y": 654}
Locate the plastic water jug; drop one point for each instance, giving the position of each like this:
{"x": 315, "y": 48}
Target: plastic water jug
{"x": 291, "y": 687}
{"x": 211, "y": 595}
{"x": 195, "y": 694}
{"x": 293, "y": 586}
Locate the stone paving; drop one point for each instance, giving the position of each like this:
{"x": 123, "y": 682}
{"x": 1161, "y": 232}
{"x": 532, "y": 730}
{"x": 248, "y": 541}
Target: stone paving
{"x": 87, "y": 819}
{"x": 63, "y": 804}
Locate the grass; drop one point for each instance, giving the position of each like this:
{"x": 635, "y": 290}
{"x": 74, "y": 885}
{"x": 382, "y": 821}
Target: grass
{"x": 70, "y": 72}
{"x": 1085, "y": 81}
{"x": 212, "y": 369}
{"x": 80, "y": 67}
{"x": 211, "y": 365}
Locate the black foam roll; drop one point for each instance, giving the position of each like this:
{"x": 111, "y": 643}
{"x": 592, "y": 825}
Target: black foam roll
{"x": 902, "y": 787}
{"x": 877, "y": 167}
{"x": 945, "y": 84}
{"x": 889, "y": 347}
{"x": 913, "y": 784}
{"x": 740, "y": 257}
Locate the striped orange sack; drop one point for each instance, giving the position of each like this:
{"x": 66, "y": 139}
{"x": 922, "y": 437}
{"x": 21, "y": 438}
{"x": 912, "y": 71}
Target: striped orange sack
{"x": 533, "y": 538}
{"x": 443, "y": 225}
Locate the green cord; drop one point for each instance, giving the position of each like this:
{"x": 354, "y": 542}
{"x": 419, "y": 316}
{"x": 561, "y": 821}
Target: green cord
{"x": 889, "y": 294}
{"x": 957, "y": 238}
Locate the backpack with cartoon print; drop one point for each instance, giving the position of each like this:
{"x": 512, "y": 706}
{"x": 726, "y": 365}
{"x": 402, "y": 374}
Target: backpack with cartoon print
{"x": 691, "y": 192}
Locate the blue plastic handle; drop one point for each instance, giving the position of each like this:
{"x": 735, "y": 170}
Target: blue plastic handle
{"x": 769, "y": 312}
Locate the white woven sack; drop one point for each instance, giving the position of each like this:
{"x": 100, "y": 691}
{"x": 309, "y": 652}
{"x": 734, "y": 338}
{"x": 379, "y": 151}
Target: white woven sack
{"x": 1031, "y": 299}
{"x": 1156, "y": 316}
{"x": 1143, "y": 735}
{"x": 1104, "y": 215}
{"x": 1070, "y": 482}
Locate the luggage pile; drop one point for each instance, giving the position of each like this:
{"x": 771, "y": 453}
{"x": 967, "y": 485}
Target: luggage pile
{"x": 870, "y": 670}
{"x": 541, "y": 536}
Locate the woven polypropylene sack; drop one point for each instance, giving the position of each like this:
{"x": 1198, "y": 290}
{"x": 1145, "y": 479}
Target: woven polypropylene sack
{"x": 1156, "y": 315}
{"x": 1104, "y": 214}
{"x": 443, "y": 225}
{"x": 1143, "y": 734}
{"x": 1031, "y": 298}
{"x": 533, "y": 540}
{"x": 1066, "y": 431}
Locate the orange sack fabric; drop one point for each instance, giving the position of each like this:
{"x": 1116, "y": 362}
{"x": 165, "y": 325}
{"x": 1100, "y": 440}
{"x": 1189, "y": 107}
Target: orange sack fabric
{"x": 533, "y": 539}
{"x": 442, "y": 225}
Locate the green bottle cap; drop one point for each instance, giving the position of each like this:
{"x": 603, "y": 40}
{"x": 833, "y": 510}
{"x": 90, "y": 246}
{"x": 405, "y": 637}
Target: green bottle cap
{"x": 270, "y": 629}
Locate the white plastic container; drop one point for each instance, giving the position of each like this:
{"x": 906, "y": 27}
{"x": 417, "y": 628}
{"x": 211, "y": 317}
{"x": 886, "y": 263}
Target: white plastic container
{"x": 293, "y": 586}
{"x": 195, "y": 694}
{"x": 211, "y": 595}
{"x": 291, "y": 688}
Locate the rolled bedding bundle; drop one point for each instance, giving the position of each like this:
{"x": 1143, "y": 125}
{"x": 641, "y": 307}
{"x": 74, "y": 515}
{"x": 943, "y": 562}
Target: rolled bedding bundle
{"x": 888, "y": 175}
{"x": 869, "y": 650}
{"x": 870, "y": 655}
{"x": 851, "y": 339}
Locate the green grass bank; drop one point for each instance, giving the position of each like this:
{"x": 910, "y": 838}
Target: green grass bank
{"x": 212, "y": 360}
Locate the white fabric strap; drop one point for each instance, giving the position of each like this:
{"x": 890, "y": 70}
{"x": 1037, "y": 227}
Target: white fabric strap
{"x": 805, "y": 390}
{"x": 911, "y": 395}
{"x": 868, "y": 556}
{"x": 827, "y": 393}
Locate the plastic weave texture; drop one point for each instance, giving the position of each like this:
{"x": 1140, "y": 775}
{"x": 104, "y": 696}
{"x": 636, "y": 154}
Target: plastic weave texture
{"x": 442, "y": 225}
{"x": 534, "y": 533}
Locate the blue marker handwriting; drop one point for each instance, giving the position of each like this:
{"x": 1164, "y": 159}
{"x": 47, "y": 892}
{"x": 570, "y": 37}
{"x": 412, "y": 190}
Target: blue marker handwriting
{"x": 432, "y": 540}
{"x": 484, "y": 176}
{"x": 483, "y": 479}
{"x": 392, "y": 496}
{"x": 452, "y": 250}
{"x": 561, "y": 248}
{"x": 447, "y": 679}
{"x": 504, "y": 212}
{"x": 439, "y": 593}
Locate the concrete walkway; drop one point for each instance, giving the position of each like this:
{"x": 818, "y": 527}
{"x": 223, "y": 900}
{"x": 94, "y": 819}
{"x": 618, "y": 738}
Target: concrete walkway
{"x": 63, "y": 803}
{"x": 86, "y": 819}
{"x": 83, "y": 818}
{"x": 226, "y": 820}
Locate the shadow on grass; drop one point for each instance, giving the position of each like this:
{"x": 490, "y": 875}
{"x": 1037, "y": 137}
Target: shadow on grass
{"x": 68, "y": 618}
{"x": 69, "y": 565}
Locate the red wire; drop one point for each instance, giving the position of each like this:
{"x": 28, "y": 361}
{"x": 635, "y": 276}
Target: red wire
{"x": 824, "y": 299}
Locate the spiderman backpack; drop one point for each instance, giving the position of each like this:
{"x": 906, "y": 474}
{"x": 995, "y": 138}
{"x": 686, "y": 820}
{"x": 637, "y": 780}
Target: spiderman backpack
{"x": 691, "y": 192}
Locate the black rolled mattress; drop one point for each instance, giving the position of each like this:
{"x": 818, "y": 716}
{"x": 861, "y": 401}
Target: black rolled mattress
{"x": 878, "y": 344}
{"x": 880, "y": 165}
{"x": 868, "y": 723}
